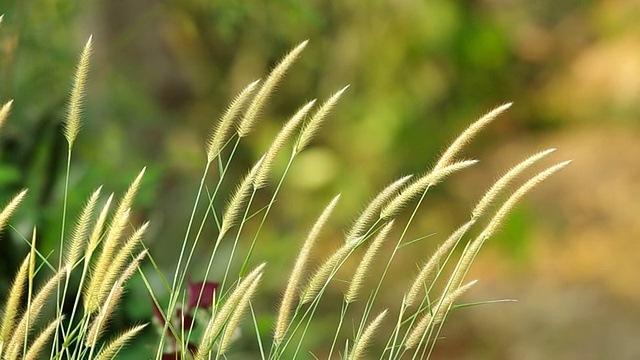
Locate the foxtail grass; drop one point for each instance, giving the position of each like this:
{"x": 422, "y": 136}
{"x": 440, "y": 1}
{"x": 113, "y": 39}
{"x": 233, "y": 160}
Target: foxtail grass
{"x": 4, "y": 112}
{"x": 101, "y": 278}
{"x": 105, "y": 250}
{"x": 286, "y": 304}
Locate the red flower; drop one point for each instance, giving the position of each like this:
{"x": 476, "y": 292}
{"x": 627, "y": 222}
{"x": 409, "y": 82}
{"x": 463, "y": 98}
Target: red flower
{"x": 208, "y": 290}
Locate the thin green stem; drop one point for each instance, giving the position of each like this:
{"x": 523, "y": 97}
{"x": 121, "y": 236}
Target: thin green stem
{"x": 237, "y": 239}
{"x": 370, "y": 303}
{"x": 76, "y": 302}
{"x": 178, "y": 283}
{"x": 223, "y": 172}
{"x": 343, "y": 312}
{"x": 28, "y": 314}
{"x": 60, "y": 302}
{"x": 266, "y": 213}
{"x": 314, "y": 304}
{"x": 257, "y": 329}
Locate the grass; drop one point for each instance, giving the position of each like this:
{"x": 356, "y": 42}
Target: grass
{"x": 104, "y": 254}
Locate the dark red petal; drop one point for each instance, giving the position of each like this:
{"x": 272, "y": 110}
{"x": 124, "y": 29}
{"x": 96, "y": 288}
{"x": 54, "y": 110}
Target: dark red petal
{"x": 187, "y": 322}
{"x": 193, "y": 292}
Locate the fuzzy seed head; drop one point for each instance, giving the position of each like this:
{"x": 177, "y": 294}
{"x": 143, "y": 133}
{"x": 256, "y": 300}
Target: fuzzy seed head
{"x": 267, "y": 88}
{"x": 72, "y": 120}
{"x": 260, "y": 180}
{"x": 219, "y": 135}
{"x": 361, "y": 343}
{"x": 313, "y": 125}
{"x": 243, "y": 190}
{"x": 365, "y": 264}
{"x": 222, "y": 316}
{"x": 504, "y": 181}
{"x": 31, "y": 315}
{"x": 117, "y": 264}
{"x": 326, "y": 271}
{"x": 4, "y": 112}
{"x": 80, "y": 231}
{"x": 370, "y": 213}
{"x": 421, "y": 185}
{"x": 506, "y": 208}
{"x": 10, "y": 208}
{"x": 284, "y": 313}
{"x": 427, "y": 271}
{"x": 96, "y": 233}
{"x": 14, "y": 301}
{"x": 236, "y": 316}
{"x": 41, "y": 340}
{"x": 116, "y": 344}
{"x": 434, "y": 317}
{"x": 467, "y": 135}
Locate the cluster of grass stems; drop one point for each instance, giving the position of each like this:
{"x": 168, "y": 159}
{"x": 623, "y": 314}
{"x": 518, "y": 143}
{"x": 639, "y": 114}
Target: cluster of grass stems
{"x": 106, "y": 252}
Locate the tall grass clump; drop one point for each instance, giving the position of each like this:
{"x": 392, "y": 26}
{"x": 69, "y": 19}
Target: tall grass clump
{"x": 99, "y": 248}
{"x": 104, "y": 249}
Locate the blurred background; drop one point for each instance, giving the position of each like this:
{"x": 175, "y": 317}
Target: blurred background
{"x": 420, "y": 71}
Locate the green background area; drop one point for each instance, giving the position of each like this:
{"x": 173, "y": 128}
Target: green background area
{"x": 162, "y": 73}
